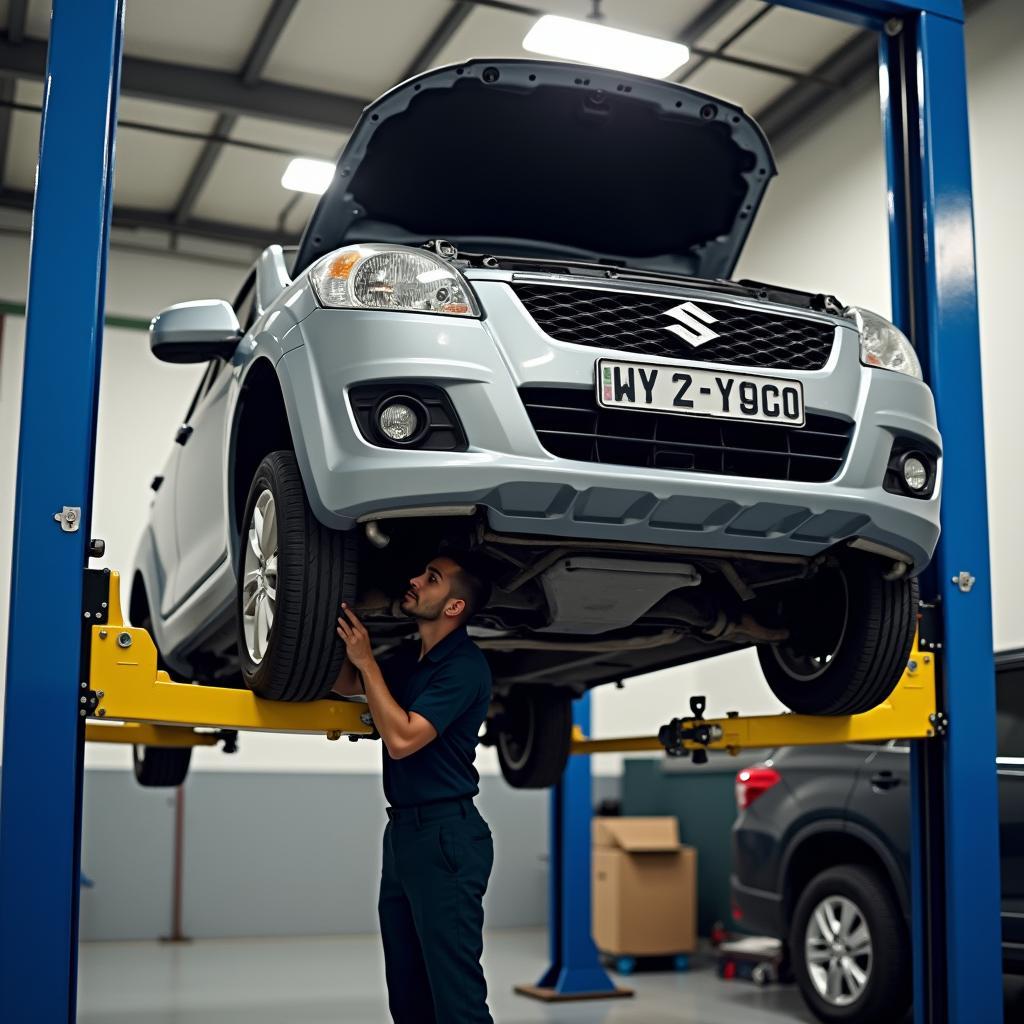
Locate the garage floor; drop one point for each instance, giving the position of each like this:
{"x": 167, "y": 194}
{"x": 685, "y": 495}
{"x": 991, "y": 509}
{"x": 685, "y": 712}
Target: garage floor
{"x": 327, "y": 980}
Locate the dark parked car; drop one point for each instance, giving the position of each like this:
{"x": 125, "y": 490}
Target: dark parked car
{"x": 821, "y": 859}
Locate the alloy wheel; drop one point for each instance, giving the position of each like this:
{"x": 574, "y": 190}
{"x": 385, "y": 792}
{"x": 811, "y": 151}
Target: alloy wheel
{"x": 259, "y": 580}
{"x": 838, "y": 950}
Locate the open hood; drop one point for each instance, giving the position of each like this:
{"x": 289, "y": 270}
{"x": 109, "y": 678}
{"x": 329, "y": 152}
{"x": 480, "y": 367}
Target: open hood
{"x": 546, "y": 159}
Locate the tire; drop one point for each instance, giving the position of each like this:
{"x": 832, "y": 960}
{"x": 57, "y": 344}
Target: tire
{"x": 161, "y": 766}
{"x": 533, "y": 736}
{"x": 851, "y": 635}
{"x": 887, "y": 969}
{"x": 297, "y": 654}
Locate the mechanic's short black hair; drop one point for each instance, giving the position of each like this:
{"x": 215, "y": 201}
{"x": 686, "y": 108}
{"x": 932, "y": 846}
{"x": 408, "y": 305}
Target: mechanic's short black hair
{"x": 470, "y": 583}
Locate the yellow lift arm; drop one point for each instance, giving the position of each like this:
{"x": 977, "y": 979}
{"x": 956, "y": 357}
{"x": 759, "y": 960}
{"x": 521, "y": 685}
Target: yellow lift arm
{"x": 126, "y": 686}
{"x": 911, "y": 712}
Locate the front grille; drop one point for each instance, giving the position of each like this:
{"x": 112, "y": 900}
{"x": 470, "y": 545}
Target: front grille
{"x": 638, "y": 323}
{"x": 571, "y": 425}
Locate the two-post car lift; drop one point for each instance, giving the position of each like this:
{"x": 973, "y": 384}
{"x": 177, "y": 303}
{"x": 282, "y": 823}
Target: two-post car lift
{"x": 55, "y": 678}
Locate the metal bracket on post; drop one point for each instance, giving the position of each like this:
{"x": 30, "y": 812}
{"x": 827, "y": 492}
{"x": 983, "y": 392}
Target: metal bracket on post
{"x": 69, "y": 517}
{"x": 575, "y": 972}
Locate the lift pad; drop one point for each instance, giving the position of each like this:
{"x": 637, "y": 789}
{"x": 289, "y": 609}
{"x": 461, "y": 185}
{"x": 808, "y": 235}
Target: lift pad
{"x": 911, "y": 712}
{"x": 126, "y": 686}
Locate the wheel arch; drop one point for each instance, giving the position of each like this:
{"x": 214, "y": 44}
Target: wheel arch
{"x": 138, "y": 600}
{"x": 261, "y": 425}
{"x": 831, "y": 842}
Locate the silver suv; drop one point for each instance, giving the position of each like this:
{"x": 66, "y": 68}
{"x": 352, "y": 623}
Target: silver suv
{"x": 509, "y": 326}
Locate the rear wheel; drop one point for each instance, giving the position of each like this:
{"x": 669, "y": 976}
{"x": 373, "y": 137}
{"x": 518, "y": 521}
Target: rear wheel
{"x": 849, "y": 948}
{"x": 293, "y": 574}
{"x": 159, "y": 767}
{"x": 850, "y": 637}
{"x": 533, "y": 734}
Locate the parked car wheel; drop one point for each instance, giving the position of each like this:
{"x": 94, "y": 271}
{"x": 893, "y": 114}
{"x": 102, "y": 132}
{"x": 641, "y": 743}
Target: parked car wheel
{"x": 160, "y": 766}
{"x": 293, "y": 574}
{"x": 850, "y": 637}
{"x": 533, "y": 735}
{"x": 849, "y": 949}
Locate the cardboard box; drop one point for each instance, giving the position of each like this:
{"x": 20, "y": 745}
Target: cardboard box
{"x": 644, "y": 888}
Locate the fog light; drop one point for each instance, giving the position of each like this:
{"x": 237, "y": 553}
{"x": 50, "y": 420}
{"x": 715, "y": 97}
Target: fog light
{"x": 915, "y": 473}
{"x": 398, "y": 422}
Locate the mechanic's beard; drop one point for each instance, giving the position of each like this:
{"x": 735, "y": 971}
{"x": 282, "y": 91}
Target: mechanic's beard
{"x": 426, "y": 612}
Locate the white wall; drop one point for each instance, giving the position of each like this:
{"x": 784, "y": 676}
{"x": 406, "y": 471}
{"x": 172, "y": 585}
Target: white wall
{"x": 822, "y": 228}
{"x": 141, "y": 401}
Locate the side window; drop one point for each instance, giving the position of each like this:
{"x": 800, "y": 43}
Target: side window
{"x": 1010, "y": 710}
{"x": 245, "y": 302}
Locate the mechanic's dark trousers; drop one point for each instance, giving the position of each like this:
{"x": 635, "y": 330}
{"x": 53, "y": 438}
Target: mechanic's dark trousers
{"x": 437, "y": 859}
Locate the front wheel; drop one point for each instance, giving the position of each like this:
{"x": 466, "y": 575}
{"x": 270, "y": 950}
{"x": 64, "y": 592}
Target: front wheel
{"x": 850, "y": 635}
{"x": 293, "y": 574}
{"x": 849, "y": 949}
{"x": 533, "y": 733}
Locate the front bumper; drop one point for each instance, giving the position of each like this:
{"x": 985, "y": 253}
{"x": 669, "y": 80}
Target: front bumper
{"x": 526, "y": 490}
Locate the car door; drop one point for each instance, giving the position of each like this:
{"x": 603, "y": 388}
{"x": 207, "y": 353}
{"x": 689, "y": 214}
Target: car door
{"x": 163, "y": 511}
{"x": 1010, "y": 763}
{"x": 880, "y": 800}
{"x": 201, "y": 491}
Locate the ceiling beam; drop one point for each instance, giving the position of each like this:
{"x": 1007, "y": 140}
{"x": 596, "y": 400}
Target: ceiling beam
{"x": 439, "y": 39}
{"x": 706, "y": 20}
{"x": 131, "y": 217}
{"x": 205, "y": 88}
{"x": 797, "y": 112}
{"x": 226, "y": 93}
{"x": 802, "y": 108}
{"x": 719, "y": 53}
{"x": 6, "y": 113}
{"x": 17, "y": 12}
{"x": 268, "y": 36}
{"x": 263, "y": 45}
{"x": 202, "y": 169}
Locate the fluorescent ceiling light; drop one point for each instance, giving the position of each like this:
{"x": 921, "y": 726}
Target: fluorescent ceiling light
{"x": 592, "y": 43}
{"x": 305, "y": 175}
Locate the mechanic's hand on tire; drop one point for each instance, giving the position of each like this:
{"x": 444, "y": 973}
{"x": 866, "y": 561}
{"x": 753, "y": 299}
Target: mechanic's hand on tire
{"x": 357, "y": 640}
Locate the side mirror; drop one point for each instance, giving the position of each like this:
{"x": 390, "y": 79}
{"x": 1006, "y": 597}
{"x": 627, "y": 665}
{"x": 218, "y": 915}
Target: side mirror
{"x": 193, "y": 332}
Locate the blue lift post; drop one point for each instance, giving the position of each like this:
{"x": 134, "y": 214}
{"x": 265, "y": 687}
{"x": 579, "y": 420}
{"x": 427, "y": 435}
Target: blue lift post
{"x": 955, "y": 869}
{"x": 955, "y": 883}
{"x": 956, "y": 926}
{"x": 40, "y": 800}
{"x": 575, "y": 971}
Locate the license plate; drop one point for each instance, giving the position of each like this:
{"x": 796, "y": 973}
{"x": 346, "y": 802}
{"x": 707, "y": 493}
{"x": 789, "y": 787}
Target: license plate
{"x": 690, "y": 391}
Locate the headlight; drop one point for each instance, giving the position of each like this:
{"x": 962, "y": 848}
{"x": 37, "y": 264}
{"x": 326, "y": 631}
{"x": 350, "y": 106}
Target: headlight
{"x": 392, "y": 277}
{"x": 883, "y": 344}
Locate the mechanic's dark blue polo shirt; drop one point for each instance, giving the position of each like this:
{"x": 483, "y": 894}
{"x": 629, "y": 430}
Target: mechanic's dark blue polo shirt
{"x": 451, "y": 689}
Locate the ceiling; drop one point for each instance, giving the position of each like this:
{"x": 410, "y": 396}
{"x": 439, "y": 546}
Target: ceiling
{"x": 217, "y": 97}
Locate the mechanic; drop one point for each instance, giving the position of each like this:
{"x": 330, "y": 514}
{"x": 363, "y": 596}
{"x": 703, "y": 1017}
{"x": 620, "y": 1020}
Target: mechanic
{"x": 438, "y": 850}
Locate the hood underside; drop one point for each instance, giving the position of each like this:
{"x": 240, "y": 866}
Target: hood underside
{"x": 539, "y": 158}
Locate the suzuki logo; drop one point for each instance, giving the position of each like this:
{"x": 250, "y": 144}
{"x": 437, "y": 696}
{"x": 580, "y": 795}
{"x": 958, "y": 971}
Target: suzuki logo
{"x": 694, "y": 320}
